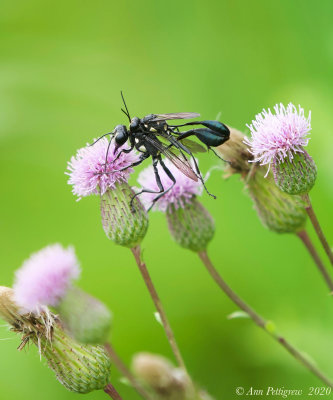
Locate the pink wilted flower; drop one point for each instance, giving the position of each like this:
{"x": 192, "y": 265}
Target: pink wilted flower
{"x": 275, "y": 137}
{"x": 181, "y": 193}
{"x": 88, "y": 173}
{"x": 45, "y": 277}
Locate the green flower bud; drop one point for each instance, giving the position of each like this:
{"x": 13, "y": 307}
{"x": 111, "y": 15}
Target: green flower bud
{"x": 277, "y": 210}
{"x": 80, "y": 368}
{"x": 296, "y": 176}
{"x": 191, "y": 225}
{"x": 122, "y": 224}
{"x": 85, "y": 317}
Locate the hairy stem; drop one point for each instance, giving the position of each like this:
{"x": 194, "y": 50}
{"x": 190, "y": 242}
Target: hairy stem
{"x": 303, "y": 235}
{"x": 260, "y": 321}
{"x": 122, "y": 368}
{"x": 153, "y": 293}
{"x": 317, "y": 227}
{"x": 112, "y": 392}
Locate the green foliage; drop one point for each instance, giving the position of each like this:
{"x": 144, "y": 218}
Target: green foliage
{"x": 62, "y": 68}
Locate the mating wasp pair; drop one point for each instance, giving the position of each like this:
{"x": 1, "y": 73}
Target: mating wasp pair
{"x": 153, "y": 136}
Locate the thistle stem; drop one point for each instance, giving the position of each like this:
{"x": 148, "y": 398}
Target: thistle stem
{"x": 112, "y": 392}
{"x": 303, "y": 235}
{"x": 260, "y": 321}
{"x": 153, "y": 293}
{"x": 315, "y": 223}
{"x": 126, "y": 372}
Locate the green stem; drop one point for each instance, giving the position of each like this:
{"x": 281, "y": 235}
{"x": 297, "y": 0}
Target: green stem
{"x": 303, "y": 235}
{"x": 122, "y": 368}
{"x": 315, "y": 223}
{"x": 153, "y": 293}
{"x": 260, "y": 321}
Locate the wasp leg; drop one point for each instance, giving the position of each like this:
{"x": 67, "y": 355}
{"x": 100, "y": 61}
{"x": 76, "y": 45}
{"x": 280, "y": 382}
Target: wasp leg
{"x": 169, "y": 174}
{"x": 158, "y": 181}
{"x": 197, "y": 170}
{"x": 175, "y": 142}
{"x": 101, "y": 137}
{"x": 107, "y": 153}
{"x": 192, "y": 132}
{"x": 143, "y": 157}
{"x": 211, "y": 149}
{"x": 126, "y": 151}
{"x": 200, "y": 176}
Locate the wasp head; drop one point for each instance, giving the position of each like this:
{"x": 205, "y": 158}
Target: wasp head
{"x": 120, "y": 134}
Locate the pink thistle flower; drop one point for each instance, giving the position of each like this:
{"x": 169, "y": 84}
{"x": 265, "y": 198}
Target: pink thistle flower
{"x": 45, "y": 277}
{"x": 182, "y": 192}
{"x": 275, "y": 137}
{"x": 88, "y": 174}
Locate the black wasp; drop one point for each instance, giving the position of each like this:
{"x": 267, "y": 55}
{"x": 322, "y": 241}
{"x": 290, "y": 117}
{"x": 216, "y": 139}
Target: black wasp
{"x": 153, "y": 137}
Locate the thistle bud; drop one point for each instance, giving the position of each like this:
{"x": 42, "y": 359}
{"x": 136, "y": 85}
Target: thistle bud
{"x": 85, "y": 317}
{"x": 295, "y": 176}
{"x": 104, "y": 170}
{"x": 80, "y": 368}
{"x": 278, "y": 140}
{"x": 191, "y": 226}
{"x": 237, "y": 154}
{"x": 45, "y": 277}
{"x": 189, "y": 222}
{"x": 123, "y": 224}
{"x": 277, "y": 210}
{"x": 157, "y": 373}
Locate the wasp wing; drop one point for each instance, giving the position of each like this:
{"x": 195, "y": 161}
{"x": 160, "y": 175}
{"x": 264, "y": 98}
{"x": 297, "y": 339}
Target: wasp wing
{"x": 166, "y": 117}
{"x": 189, "y": 144}
{"x": 193, "y": 146}
{"x": 180, "y": 163}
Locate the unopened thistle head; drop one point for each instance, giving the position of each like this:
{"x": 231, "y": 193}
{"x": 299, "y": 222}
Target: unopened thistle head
{"x": 45, "y": 277}
{"x": 278, "y": 140}
{"x": 237, "y": 154}
{"x": 166, "y": 381}
{"x": 277, "y": 210}
{"x": 189, "y": 222}
{"x": 85, "y": 317}
{"x": 80, "y": 368}
{"x": 91, "y": 173}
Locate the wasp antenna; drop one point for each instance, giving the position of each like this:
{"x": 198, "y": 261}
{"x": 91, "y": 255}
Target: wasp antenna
{"x": 127, "y": 115}
{"x": 127, "y": 112}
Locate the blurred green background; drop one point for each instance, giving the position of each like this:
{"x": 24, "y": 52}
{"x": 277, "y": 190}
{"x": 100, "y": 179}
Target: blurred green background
{"x": 62, "y": 67}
